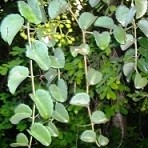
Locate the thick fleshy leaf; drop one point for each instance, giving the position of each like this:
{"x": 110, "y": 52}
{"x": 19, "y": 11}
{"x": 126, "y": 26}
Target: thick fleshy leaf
{"x": 18, "y": 117}
{"x": 80, "y": 99}
{"x": 7, "y": 31}
{"x": 38, "y": 9}
{"x": 60, "y": 113}
{"x": 98, "y": 117}
{"x": 94, "y": 3}
{"x": 85, "y": 20}
{"x": 16, "y": 76}
{"x": 143, "y": 25}
{"x": 50, "y": 75}
{"x": 105, "y": 22}
{"x": 39, "y": 53}
{"x": 53, "y": 129}
{"x": 102, "y": 39}
{"x": 129, "y": 41}
{"x": 23, "y": 108}
{"x": 143, "y": 65}
{"x": 93, "y": 76}
{"x": 41, "y": 133}
{"x": 58, "y": 60}
{"x": 124, "y": 15}
{"x": 102, "y": 140}
{"x": 141, "y": 7}
{"x": 21, "y": 141}
{"x": 43, "y": 103}
{"x": 56, "y": 93}
{"x": 139, "y": 81}
{"x": 26, "y": 11}
{"x": 63, "y": 89}
{"x": 128, "y": 68}
{"x": 83, "y": 49}
{"x": 56, "y": 7}
{"x": 88, "y": 136}
{"x": 120, "y": 34}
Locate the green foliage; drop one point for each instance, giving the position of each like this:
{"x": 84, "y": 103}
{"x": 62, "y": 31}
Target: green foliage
{"x": 97, "y": 57}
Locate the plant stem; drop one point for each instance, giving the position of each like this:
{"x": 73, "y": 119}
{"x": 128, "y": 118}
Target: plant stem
{"x": 87, "y": 85}
{"x": 135, "y": 43}
{"x": 32, "y": 82}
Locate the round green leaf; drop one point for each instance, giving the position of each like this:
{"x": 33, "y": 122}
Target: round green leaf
{"x": 98, "y": 117}
{"x": 16, "y": 76}
{"x": 142, "y": 24}
{"x": 43, "y": 103}
{"x": 140, "y": 82}
{"x": 58, "y": 60}
{"x": 56, "y": 7}
{"x": 85, "y": 20}
{"x": 105, "y": 22}
{"x": 88, "y": 136}
{"x": 7, "y": 31}
{"x": 129, "y": 41}
{"x": 102, "y": 39}
{"x": 23, "y": 108}
{"x": 141, "y": 7}
{"x": 18, "y": 117}
{"x": 93, "y": 3}
{"x": 39, "y": 53}
{"x": 120, "y": 34}
{"x": 53, "y": 129}
{"x": 41, "y": 133}
{"x": 80, "y": 99}
{"x": 93, "y": 76}
{"x": 26, "y": 11}
{"x": 60, "y": 113}
{"x": 103, "y": 141}
{"x": 127, "y": 68}
{"x": 21, "y": 141}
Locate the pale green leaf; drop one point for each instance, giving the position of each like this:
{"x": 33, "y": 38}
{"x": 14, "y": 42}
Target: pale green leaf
{"x": 60, "y": 113}
{"x": 80, "y": 99}
{"x": 129, "y": 41}
{"x": 103, "y": 141}
{"x": 127, "y": 68}
{"x": 23, "y": 108}
{"x": 141, "y": 8}
{"x": 38, "y": 9}
{"x": 15, "y": 119}
{"x": 43, "y": 103}
{"x": 124, "y": 15}
{"x": 102, "y": 39}
{"x": 120, "y": 34}
{"x": 39, "y": 53}
{"x": 53, "y": 129}
{"x": 56, "y": 93}
{"x": 105, "y": 22}
{"x": 139, "y": 81}
{"x": 88, "y": 136}
{"x": 143, "y": 25}
{"x": 41, "y": 133}
{"x": 85, "y": 20}
{"x": 16, "y": 76}
{"x": 10, "y": 26}
{"x": 56, "y": 7}
{"x": 98, "y": 117}
{"x": 93, "y": 3}
{"x": 50, "y": 75}
{"x": 93, "y": 76}
{"x": 83, "y": 49}
{"x": 26, "y": 11}
{"x": 58, "y": 60}
{"x": 63, "y": 89}
{"x": 21, "y": 141}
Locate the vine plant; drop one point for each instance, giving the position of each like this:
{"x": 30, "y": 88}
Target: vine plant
{"x": 46, "y": 38}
